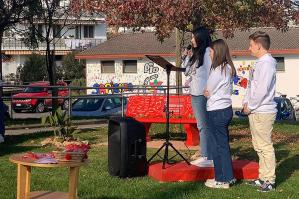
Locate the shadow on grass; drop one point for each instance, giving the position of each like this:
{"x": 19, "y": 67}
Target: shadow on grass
{"x": 28, "y": 121}
{"x": 17, "y": 139}
{"x": 8, "y": 149}
{"x": 286, "y": 168}
{"x": 172, "y": 191}
{"x": 244, "y": 154}
{"x": 250, "y": 154}
{"x": 175, "y": 191}
{"x": 10, "y": 145}
{"x": 173, "y": 136}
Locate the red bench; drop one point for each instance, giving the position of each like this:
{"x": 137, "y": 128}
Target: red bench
{"x": 149, "y": 109}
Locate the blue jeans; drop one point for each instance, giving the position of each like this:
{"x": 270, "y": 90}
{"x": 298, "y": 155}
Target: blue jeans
{"x": 199, "y": 106}
{"x": 219, "y": 143}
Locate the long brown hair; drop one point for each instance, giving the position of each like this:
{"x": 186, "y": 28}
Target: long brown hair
{"x": 221, "y": 56}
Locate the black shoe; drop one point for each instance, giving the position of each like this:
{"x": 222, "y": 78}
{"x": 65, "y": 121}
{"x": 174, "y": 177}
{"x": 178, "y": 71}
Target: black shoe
{"x": 267, "y": 186}
{"x": 256, "y": 183}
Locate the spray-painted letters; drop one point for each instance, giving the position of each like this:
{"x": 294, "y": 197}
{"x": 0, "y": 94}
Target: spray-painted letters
{"x": 111, "y": 88}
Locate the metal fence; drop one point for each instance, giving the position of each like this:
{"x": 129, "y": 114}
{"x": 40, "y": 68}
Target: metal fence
{"x": 114, "y": 92}
{"x": 58, "y": 44}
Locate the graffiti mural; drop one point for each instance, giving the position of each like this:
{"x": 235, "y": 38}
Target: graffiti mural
{"x": 148, "y": 79}
{"x": 241, "y": 79}
{"x": 148, "y": 74}
{"x": 112, "y": 88}
{"x": 150, "y": 68}
{"x": 156, "y": 86}
{"x": 152, "y": 80}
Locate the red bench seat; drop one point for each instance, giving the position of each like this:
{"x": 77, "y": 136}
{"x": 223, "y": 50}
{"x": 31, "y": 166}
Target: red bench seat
{"x": 150, "y": 109}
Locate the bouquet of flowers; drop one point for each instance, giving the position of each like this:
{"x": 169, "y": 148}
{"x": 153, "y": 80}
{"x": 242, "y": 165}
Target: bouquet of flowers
{"x": 72, "y": 151}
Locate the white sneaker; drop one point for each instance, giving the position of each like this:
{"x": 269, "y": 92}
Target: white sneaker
{"x": 206, "y": 163}
{"x": 197, "y": 161}
{"x": 203, "y": 162}
{"x": 1, "y": 138}
{"x": 218, "y": 185}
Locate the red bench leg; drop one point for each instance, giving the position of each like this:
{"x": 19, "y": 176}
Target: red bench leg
{"x": 192, "y": 134}
{"x": 147, "y": 128}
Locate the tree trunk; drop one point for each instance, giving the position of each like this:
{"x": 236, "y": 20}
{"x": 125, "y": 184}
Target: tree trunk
{"x": 1, "y": 75}
{"x": 2, "y": 125}
{"x": 52, "y": 74}
{"x": 178, "y": 53}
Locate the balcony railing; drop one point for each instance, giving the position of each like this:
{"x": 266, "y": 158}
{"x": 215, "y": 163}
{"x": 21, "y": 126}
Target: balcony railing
{"x": 60, "y": 44}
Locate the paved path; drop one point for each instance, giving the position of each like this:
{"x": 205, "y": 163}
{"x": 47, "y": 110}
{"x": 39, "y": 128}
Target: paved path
{"x": 34, "y": 130}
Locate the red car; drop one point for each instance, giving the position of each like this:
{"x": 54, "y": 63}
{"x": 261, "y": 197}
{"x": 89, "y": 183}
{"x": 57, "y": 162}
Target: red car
{"x": 25, "y": 102}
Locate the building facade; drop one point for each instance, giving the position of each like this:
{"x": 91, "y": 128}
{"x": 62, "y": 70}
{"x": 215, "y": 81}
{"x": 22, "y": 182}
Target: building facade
{"x": 121, "y": 61}
{"x": 68, "y": 34}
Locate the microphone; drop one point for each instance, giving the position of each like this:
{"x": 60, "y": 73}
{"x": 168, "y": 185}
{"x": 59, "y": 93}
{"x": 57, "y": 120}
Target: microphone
{"x": 187, "y": 48}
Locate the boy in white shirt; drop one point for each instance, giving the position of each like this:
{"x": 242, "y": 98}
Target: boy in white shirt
{"x": 260, "y": 105}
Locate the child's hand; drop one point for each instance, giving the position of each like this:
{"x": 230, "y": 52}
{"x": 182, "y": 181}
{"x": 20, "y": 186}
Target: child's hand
{"x": 206, "y": 93}
{"x": 186, "y": 53}
{"x": 245, "y": 109}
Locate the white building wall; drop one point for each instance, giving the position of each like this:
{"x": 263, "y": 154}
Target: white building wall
{"x": 287, "y": 81}
{"x": 148, "y": 74}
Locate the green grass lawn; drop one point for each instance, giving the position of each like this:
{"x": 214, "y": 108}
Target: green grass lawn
{"x": 95, "y": 182}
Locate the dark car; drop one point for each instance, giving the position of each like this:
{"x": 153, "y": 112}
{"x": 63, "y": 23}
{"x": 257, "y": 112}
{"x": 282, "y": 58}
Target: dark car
{"x": 285, "y": 110}
{"x": 98, "y": 107}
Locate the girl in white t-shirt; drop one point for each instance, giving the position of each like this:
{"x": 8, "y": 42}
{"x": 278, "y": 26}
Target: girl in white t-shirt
{"x": 220, "y": 113}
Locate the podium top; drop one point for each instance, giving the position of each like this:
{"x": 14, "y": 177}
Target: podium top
{"x": 164, "y": 63}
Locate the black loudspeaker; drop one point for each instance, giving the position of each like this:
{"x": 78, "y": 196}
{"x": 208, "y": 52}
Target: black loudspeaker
{"x": 126, "y": 147}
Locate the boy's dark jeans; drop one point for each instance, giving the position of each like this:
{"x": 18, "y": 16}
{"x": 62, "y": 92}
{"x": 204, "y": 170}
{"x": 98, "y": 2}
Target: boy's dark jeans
{"x": 219, "y": 143}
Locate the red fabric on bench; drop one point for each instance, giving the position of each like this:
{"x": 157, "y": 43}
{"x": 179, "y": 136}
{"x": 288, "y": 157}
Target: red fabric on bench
{"x": 150, "y": 109}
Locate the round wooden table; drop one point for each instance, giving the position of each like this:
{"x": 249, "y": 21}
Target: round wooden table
{"x": 24, "y": 173}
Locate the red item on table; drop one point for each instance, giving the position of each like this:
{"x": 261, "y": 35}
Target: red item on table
{"x": 36, "y": 156}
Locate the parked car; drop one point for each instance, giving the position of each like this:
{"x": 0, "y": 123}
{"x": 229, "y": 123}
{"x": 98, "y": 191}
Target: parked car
{"x": 97, "y": 107}
{"x": 25, "y": 102}
{"x": 285, "y": 110}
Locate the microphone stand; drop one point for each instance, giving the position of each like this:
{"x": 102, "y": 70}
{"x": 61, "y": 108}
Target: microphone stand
{"x": 167, "y": 143}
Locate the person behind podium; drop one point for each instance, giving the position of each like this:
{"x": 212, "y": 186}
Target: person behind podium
{"x": 197, "y": 63}
{"x": 220, "y": 113}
